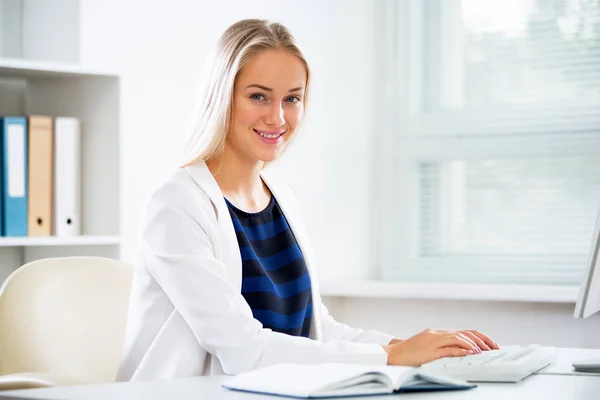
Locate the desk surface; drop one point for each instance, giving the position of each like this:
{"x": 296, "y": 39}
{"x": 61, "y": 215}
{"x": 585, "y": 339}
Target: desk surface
{"x": 573, "y": 387}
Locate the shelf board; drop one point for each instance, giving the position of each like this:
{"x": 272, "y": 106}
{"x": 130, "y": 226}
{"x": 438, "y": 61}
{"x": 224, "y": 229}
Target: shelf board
{"x": 21, "y": 68}
{"x": 28, "y": 241}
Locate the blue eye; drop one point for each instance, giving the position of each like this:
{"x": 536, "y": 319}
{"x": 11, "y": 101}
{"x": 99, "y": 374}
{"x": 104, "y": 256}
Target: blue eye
{"x": 292, "y": 99}
{"x": 257, "y": 97}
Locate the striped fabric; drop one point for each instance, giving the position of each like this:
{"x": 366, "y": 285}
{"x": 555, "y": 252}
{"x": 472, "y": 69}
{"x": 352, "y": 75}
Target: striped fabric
{"x": 275, "y": 280}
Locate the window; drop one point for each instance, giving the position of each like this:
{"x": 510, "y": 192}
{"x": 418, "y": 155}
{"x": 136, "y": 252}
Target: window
{"x": 495, "y": 118}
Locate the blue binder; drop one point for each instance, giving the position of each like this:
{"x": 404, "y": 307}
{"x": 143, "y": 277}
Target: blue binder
{"x": 13, "y": 187}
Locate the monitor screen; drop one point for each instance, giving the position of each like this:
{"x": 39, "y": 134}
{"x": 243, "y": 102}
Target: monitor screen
{"x": 588, "y": 302}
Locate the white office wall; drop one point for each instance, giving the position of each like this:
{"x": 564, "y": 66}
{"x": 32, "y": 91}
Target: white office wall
{"x": 159, "y": 48}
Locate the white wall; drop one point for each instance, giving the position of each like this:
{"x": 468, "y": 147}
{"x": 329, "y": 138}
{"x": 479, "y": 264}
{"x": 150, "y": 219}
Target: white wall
{"x": 159, "y": 48}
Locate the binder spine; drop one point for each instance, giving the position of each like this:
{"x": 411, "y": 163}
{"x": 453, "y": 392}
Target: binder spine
{"x": 14, "y": 176}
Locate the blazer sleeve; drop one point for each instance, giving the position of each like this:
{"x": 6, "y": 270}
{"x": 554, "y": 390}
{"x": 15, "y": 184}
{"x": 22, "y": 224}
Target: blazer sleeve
{"x": 333, "y": 330}
{"x": 178, "y": 251}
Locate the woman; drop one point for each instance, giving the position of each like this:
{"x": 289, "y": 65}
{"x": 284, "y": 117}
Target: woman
{"x": 225, "y": 281}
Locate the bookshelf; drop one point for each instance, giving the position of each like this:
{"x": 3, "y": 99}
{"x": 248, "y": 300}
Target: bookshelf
{"x": 54, "y": 88}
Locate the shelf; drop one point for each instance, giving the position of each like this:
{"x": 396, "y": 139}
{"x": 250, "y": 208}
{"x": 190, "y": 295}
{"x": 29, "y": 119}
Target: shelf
{"x": 20, "y": 68}
{"x": 59, "y": 241}
{"x": 60, "y": 89}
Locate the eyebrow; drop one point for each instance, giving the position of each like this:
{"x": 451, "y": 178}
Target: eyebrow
{"x": 266, "y": 89}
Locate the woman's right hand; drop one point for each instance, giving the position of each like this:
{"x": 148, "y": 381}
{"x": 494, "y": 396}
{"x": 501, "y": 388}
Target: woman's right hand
{"x": 430, "y": 345}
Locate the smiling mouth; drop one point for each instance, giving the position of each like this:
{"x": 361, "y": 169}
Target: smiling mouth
{"x": 269, "y": 134}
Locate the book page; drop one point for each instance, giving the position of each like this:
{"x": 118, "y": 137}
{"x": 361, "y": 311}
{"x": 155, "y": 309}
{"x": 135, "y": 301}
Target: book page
{"x": 397, "y": 374}
{"x": 305, "y": 380}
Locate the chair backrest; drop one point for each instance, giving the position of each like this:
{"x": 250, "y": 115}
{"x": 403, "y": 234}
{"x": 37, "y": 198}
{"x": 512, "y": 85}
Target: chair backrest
{"x": 65, "y": 316}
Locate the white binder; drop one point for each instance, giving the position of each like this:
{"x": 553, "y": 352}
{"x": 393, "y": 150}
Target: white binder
{"x": 67, "y": 176}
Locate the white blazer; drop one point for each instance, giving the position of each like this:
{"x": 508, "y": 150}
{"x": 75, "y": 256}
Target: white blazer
{"x": 187, "y": 315}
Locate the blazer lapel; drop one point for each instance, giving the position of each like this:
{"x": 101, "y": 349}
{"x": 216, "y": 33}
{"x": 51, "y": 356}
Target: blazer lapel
{"x": 230, "y": 251}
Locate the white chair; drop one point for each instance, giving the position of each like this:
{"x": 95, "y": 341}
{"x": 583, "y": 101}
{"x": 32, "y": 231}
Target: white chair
{"x": 62, "y": 322}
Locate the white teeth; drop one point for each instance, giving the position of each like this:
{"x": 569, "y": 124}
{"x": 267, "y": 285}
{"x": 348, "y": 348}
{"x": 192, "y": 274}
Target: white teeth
{"x": 269, "y": 136}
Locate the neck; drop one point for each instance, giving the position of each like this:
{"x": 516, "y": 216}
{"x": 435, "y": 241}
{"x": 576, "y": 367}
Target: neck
{"x": 238, "y": 179}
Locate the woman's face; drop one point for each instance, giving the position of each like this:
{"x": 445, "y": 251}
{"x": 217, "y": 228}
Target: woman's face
{"x": 268, "y": 105}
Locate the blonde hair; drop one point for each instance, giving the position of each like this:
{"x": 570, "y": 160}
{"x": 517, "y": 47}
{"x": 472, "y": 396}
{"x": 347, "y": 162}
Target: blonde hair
{"x": 236, "y": 46}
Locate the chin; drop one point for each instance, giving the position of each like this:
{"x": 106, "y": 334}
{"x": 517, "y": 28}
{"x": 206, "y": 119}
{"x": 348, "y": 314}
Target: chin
{"x": 268, "y": 154}
{"x": 269, "y": 158}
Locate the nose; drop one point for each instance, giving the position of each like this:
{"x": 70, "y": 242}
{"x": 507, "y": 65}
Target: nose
{"x": 275, "y": 115}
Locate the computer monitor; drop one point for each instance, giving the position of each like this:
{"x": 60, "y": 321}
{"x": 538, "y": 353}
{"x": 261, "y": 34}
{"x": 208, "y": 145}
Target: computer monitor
{"x": 588, "y": 302}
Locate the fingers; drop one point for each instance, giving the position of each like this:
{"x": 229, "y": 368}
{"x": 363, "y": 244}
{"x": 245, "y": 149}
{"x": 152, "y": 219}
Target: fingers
{"x": 481, "y": 341}
{"x": 486, "y": 339}
{"x": 466, "y": 337}
{"x": 459, "y": 340}
{"x": 478, "y": 341}
{"x": 475, "y": 346}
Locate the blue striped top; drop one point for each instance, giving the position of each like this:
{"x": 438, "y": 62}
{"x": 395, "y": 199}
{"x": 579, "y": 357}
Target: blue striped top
{"x": 275, "y": 280}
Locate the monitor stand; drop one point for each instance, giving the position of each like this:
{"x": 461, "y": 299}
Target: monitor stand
{"x": 587, "y": 365}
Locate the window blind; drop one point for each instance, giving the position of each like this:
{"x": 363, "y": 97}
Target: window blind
{"x": 524, "y": 71}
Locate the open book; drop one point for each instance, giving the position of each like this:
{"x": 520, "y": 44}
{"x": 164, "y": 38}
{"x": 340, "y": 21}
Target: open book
{"x": 338, "y": 380}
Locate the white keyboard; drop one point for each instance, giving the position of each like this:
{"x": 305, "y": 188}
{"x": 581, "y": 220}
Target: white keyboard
{"x": 509, "y": 364}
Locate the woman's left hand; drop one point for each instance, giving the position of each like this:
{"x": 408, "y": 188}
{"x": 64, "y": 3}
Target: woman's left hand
{"x": 482, "y": 341}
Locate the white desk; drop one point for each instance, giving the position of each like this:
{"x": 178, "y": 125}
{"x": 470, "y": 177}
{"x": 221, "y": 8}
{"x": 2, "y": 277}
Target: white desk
{"x": 547, "y": 387}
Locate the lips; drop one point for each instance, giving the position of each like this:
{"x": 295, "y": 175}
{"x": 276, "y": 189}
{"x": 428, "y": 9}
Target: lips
{"x": 269, "y": 134}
